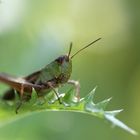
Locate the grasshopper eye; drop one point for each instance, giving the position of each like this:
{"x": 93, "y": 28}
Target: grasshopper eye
{"x": 59, "y": 60}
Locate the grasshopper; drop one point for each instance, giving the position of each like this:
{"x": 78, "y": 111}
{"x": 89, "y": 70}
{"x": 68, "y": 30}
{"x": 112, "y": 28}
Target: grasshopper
{"x": 47, "y": 79}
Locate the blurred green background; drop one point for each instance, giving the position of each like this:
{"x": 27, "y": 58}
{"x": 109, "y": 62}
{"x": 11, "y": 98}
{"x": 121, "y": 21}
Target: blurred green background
{"x": 33, "y": 33}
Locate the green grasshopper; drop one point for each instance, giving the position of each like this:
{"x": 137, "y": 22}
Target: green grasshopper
{"x": 49, "y": 78}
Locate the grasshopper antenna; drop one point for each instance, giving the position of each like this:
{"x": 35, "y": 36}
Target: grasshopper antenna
{"x": 85, "y": 47}
{"x": 70, "y": 50}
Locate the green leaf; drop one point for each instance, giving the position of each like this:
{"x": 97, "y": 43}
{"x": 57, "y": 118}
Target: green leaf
{"x": 90, "y": 96}
{"x": 85, "y": 105}
{"x": 103, "y": 104}
{"x": 69, "y": 98}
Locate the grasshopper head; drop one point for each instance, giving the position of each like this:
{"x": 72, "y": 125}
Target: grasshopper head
{"x": 65, "y": 66}
{"x": 64, "y": 62}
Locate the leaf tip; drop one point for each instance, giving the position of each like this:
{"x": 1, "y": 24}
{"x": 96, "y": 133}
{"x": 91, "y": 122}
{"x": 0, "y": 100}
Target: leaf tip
{"x": 91, "y": 94}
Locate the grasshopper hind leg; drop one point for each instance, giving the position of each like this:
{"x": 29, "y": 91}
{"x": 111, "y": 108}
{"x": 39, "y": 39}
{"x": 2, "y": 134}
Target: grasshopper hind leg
{"x": 21, "y": 101}
{"x": 23, "y": 97}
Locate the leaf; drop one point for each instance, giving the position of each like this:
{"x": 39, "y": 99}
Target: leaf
{"x": 120, "y": 124}
{"x": 69, "y": 103}
{"x": 103, "y": 104}
{"x": 70, "y": 98}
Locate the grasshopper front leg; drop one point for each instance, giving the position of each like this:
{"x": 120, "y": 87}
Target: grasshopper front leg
{"x": 76, "y": 84}
{"x": 55, "y": 91}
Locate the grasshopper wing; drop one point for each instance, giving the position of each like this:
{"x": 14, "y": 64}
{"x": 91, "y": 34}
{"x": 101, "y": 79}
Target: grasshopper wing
{"x": 32, "y": 78}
